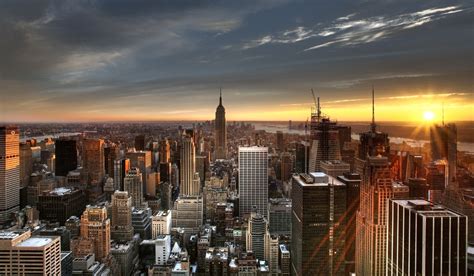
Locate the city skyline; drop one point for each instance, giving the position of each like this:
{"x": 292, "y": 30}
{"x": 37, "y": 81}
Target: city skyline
{"x": 103, "y": 61}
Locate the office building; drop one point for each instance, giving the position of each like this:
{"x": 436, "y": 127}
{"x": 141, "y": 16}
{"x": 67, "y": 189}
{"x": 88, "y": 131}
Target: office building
{"x": 126, "y": 256}
{"x": 161, "y": 223}
{"x": 26, "y": 164}
{"x": 60, "y": 204}
{"x": 352, "y": 182}
{"x": 189, "y": 179}
{"x": 220, "y": 131}
{"x": 141, "y": 160}
{"x": 284, "y": 260}
{"x": 165, "y": 152}
{"x": 162, "y": 249}
{"x": 140, "y": 142}
{"x": 335, "y": 168}
{"x": 166, "y": 195}
{"x": 443, "y": 141}
{"x": 121, "y": 168}
{"x": 132, "y": 183}
{"x": 280, "y": 141}
{"x": 279, "y": 216}
{"x": 9, "y": 172}
{"x": 318, "y": 225}
{"x": 253, "y": 180}
{"x": 95, "y": 228}
{"x": 302, "y": 157}
{"x": 23, "y": 254}
{"x": 271, "y": 253}
{"x": 425, "y": 239}
{"x": 257, "y": 235}
{"x": 187, "y": 214}
{"x": 286, "y": 165}
{"x": 111, "y": 153}
{"x": 121, "y": 210}
{"x": 93, "y": 160}
{"x": 141, "y": 222}
{"x": 66, "y": 156}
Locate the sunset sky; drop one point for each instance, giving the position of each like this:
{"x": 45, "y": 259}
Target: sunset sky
{"x": 165, "y": 60}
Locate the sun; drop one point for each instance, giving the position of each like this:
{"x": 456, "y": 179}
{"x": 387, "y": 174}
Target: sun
{"x": 428, "y": 116}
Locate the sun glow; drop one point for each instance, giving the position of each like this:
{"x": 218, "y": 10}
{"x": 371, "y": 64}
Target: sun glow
{"x": 428, "y": 115}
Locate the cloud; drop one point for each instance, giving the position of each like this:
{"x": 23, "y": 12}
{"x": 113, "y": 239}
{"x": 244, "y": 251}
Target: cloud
{"x": 346, "y": 30}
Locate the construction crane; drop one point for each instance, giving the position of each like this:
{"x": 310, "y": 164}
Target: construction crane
{"x": 316, "y": 104}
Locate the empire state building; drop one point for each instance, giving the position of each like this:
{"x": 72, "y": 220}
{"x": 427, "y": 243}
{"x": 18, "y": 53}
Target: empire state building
{"x": 220, "y": 132}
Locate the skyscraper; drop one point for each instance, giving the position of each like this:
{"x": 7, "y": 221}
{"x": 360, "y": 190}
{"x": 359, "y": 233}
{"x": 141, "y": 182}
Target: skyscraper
{"x": 318, "y": 225}
{"x": 253, "y": 180}
{"x": 23, "y": 254}
{"x": 443, "y": 141}
{"x": 141, "y": 160}
{"x": 425, "y": 239}
{"x": 220, "y": 132}
{"x": 9, "y": 172}
{"x": 95, "y": 227}
{"x": 324, "y": 140}
{"x": 132, "y": 183}
{"x": 121, "y": 229}
{"x": 93, "y": 159}
{"x": 66, "y": 156}
{"x": 121, "y": 168}
{"x": 165, "y": 153}
{"x": 256, "y": 235}
{"x": 188, "y": 185}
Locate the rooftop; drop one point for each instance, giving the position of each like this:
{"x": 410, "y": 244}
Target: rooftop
{"x": 35, "y": 242}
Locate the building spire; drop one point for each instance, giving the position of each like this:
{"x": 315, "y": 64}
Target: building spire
{"x": 220, "y": 96}
{"x": 373, "y": 110}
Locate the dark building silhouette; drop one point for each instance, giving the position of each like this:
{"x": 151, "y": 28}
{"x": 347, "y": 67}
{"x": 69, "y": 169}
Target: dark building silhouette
{"x": 60, "y": 204}
{"x": 318, "y": 225}
{"x": 140, "y": 142}
{"x": 66, "y": 156}
{"x": 352, "y": 181}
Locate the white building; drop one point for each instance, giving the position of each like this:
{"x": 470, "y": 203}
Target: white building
{"x": 162, "y": 249}
{"x": 161, "y": 224}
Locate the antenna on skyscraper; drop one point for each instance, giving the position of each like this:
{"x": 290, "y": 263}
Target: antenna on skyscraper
{"x": 373, "y": 109}
{"x": 220, "y": 95}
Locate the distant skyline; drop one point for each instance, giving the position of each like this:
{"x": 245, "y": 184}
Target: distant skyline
{"x": 81, "y": 61}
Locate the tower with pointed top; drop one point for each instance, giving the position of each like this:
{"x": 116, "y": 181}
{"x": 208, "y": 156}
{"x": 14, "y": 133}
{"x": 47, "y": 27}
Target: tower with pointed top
{"x": 376, "y": 188}
{"x": 220, "y": 131}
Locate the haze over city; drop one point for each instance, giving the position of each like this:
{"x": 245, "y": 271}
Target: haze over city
{"x": 165, "y": 60}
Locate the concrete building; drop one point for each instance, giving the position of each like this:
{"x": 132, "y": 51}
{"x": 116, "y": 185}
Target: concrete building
{"x": 161, "y": 223}
{"x": 121, "y": 209}
{"x": 141, "y": 222}
{"x": 188, "y": 214}
{"x": 126, "y": 255}
{"x": 95, "y": 227}
{"x": 133, "y": 184}
{"x": 93, "y": 160}
{"x": 284, "y": 260}
{"x": 23, "y": 254}
{"x": 253, "y": 180}
{"x": 189, "y": 179}
{"x": 335, "y": 168}
{"x": 162, "y": 249}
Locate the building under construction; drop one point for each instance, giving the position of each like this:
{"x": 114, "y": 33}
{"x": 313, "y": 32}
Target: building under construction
{"x": 327, "y": 138}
